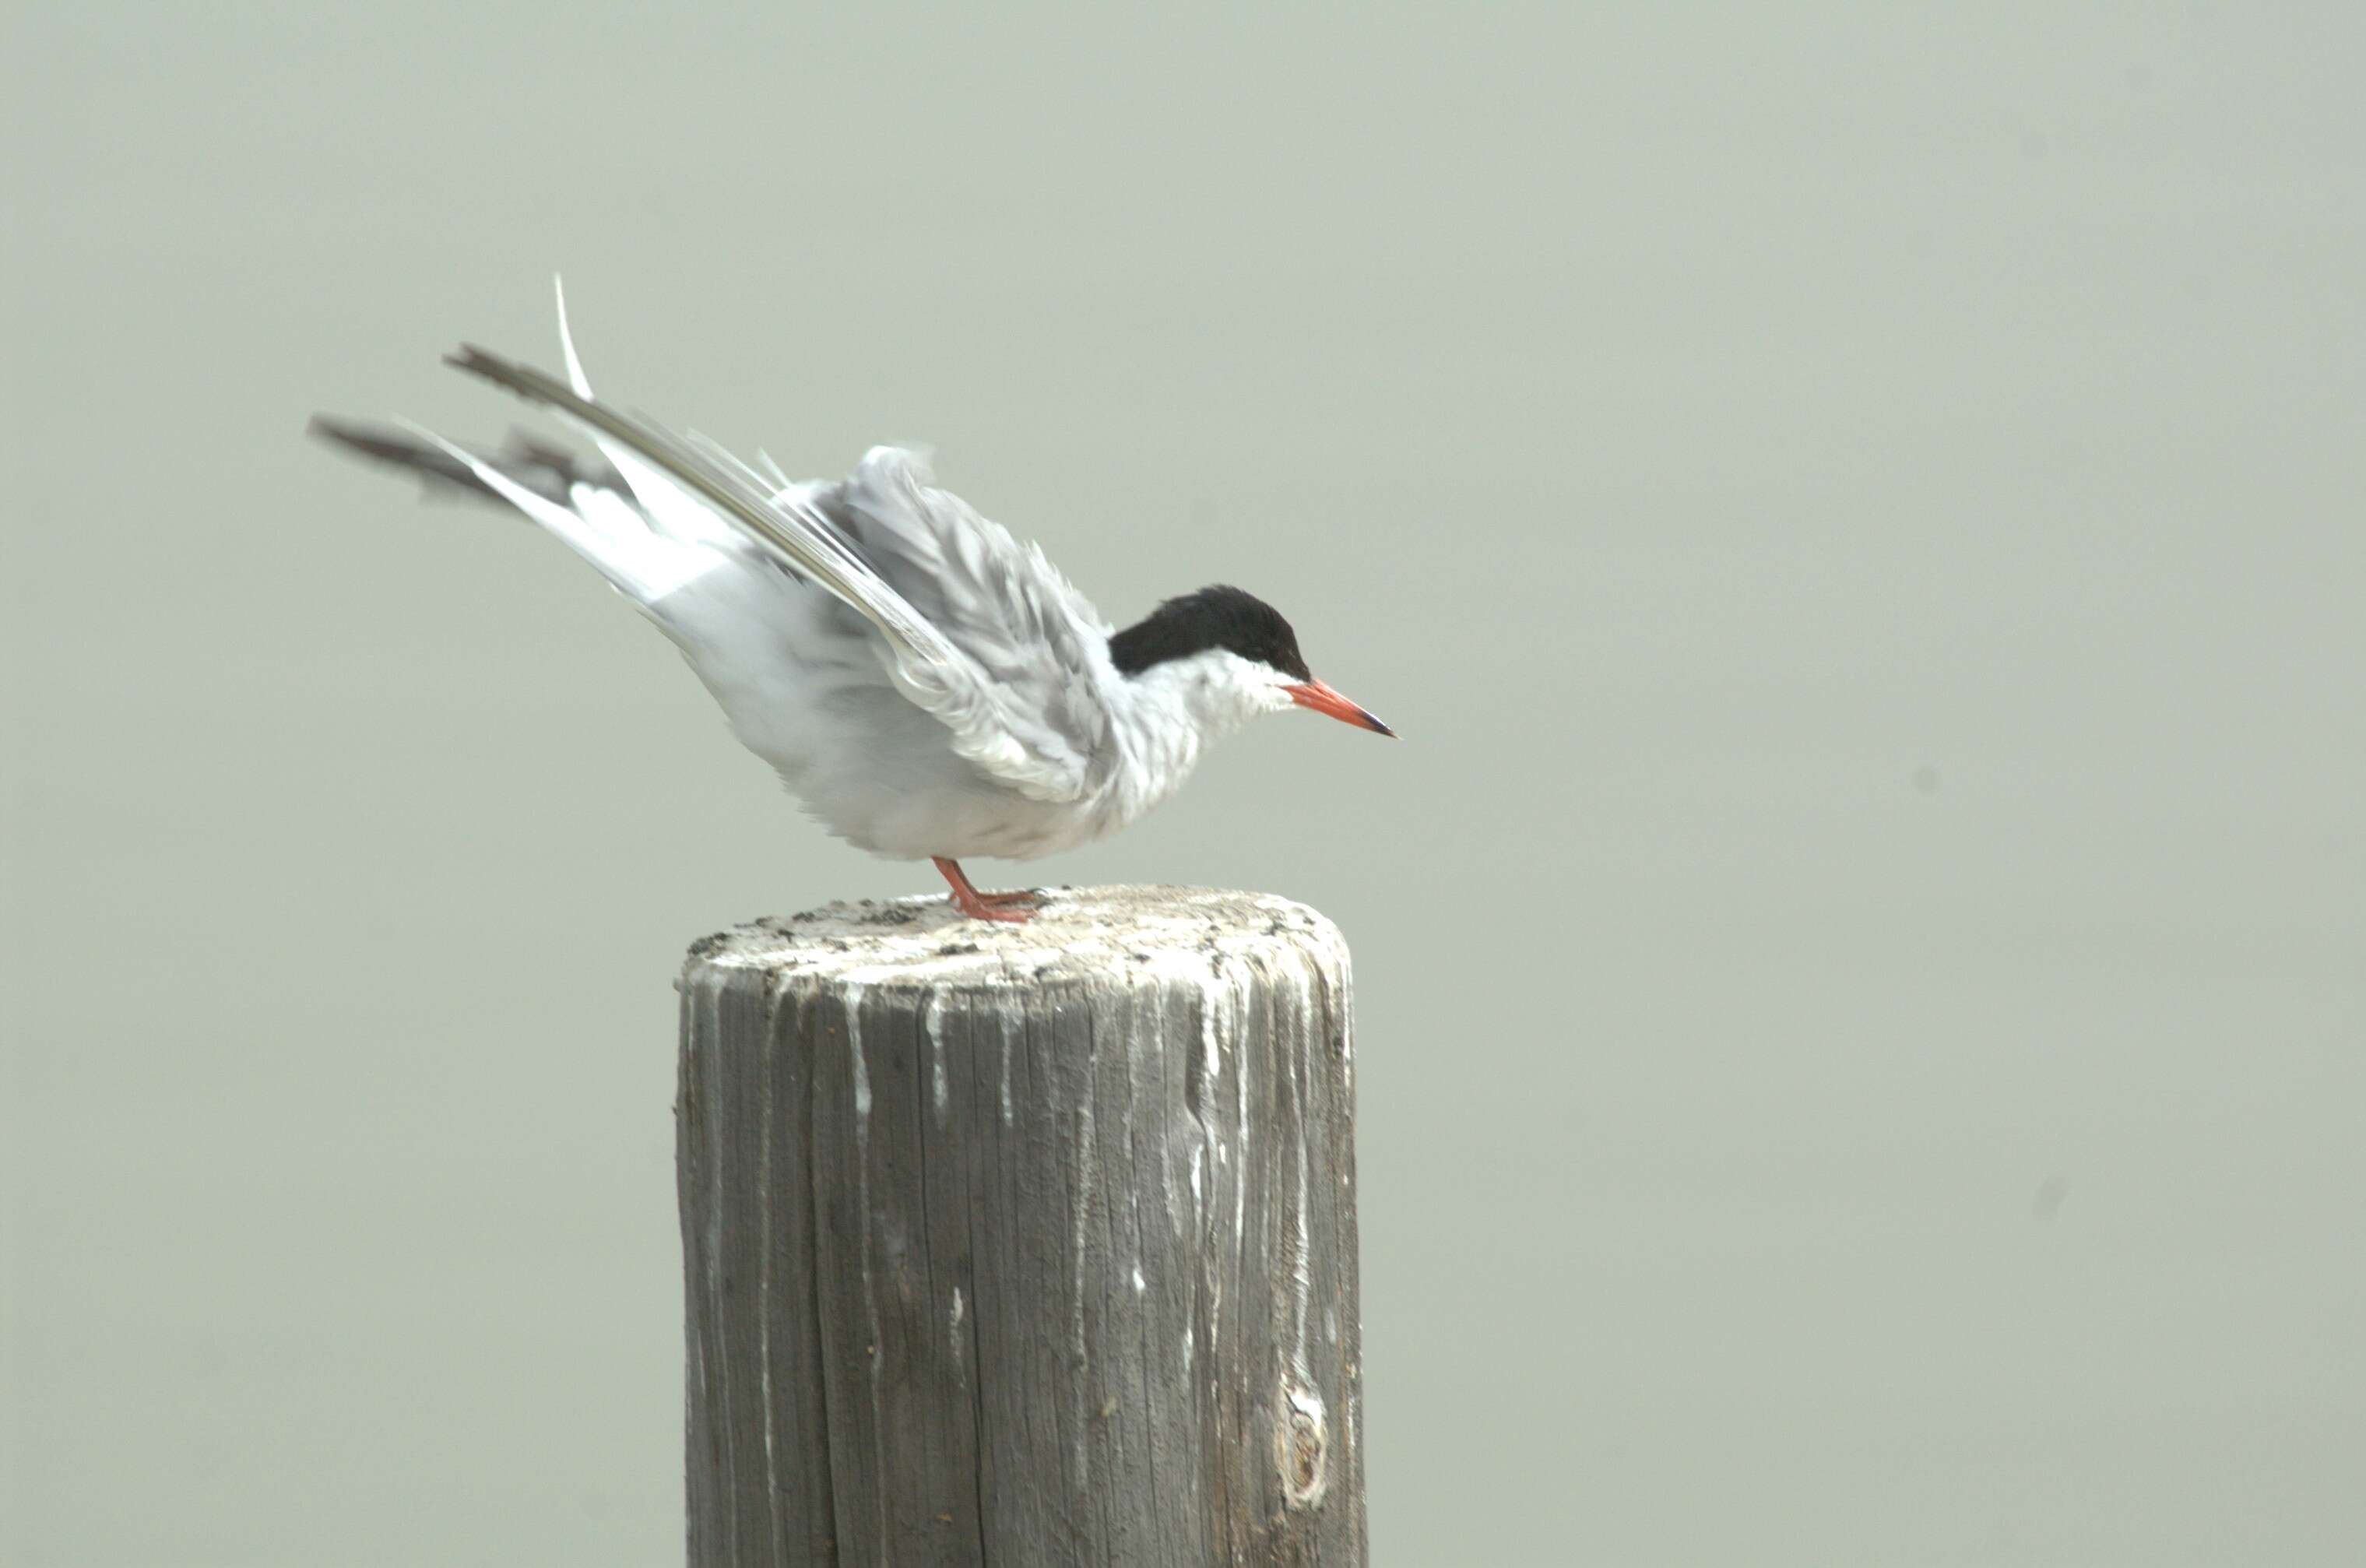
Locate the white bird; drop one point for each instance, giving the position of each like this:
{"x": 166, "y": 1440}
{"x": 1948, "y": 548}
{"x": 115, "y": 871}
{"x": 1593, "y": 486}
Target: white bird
{"x": 926, "y": 687}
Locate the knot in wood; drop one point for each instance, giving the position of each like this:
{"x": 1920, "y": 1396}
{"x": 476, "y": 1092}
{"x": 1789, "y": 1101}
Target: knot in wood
{"x": 1301, "y": 1445}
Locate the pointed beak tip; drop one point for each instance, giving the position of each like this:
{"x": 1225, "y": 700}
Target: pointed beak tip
{"x": 1324, "y": 698}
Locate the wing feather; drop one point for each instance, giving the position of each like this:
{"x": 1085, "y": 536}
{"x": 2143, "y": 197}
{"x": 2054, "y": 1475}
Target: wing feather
{"x": 979, "y": 631}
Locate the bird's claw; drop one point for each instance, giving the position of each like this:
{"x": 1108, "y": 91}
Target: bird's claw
{"x": 1004, "y": 907}
{"x": 1011, "y": 908}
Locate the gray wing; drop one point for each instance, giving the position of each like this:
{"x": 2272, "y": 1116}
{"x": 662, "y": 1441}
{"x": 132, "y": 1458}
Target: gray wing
{"x": 1017, "y": 621}
{"x": 1000, "y": 649}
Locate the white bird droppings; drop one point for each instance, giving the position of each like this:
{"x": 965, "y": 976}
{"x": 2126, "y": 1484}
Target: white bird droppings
{"x": 1009, "y": 1021}
{"x": 854, "y": 1051}
{"x": 932, "y": 1018}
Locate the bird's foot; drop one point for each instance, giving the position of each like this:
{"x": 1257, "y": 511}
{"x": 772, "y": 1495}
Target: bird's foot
{"x": 1012, "y": 909}
{"x": 1000, "y": 907}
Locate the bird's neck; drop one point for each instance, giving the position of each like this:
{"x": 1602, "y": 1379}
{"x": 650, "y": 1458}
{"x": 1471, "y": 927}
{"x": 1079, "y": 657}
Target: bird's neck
{"x": 1164, "y": 718}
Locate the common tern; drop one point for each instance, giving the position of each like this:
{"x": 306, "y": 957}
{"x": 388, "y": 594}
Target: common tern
{"x": 928, "y": 686}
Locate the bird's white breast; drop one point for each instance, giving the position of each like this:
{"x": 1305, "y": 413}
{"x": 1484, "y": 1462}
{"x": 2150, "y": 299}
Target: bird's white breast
{"x": 816, "y": 703}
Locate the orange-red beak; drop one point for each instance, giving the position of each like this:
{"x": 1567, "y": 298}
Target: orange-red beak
{"x": 1323, "y": 699}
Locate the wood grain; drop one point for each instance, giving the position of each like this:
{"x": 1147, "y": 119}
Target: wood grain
{"x": 1022, "y": 1245}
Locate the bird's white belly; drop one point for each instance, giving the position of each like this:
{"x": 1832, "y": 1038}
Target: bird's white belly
{"x": 881, "y": 774}
{"x": 803, "y": 684}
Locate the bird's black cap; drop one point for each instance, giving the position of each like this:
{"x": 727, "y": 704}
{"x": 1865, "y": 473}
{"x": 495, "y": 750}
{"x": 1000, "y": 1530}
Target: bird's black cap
{"x": 1219, "y": 617}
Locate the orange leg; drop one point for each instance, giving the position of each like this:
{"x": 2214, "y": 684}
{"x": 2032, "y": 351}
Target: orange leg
{"x": 1013, "y": 908}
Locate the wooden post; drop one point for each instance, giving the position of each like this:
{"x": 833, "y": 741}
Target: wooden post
{"x": 1022, "y": 1245}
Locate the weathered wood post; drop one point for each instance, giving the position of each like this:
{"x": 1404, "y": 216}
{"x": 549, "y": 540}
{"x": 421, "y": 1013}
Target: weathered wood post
{"x": 1022, "y": 1245}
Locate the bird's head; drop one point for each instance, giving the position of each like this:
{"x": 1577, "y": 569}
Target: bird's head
{"x": 1228, "y": 656}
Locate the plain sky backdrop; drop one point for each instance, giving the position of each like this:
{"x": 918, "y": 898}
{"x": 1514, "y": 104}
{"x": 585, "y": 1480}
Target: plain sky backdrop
{"x": 1861, "y": 955}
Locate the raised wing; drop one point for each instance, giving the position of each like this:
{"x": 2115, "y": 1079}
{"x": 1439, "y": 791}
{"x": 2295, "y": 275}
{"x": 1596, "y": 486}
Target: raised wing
{"x": 979, "y": 631}
{"x": 1035, "y": 641}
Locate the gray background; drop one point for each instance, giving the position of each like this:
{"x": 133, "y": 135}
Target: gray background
{"x": 1859, "y": 956}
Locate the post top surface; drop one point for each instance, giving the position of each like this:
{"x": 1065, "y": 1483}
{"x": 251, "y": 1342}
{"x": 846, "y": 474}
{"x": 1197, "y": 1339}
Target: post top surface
{"x": 1077, "y": 932}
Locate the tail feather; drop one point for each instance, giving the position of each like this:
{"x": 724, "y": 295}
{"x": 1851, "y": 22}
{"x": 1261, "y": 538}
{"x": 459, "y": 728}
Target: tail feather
{"x": 587, "y": 506}
{"x": 551, "y": 472}
{"x": 603, "y": 527}
{"x": 647, "y": 534}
